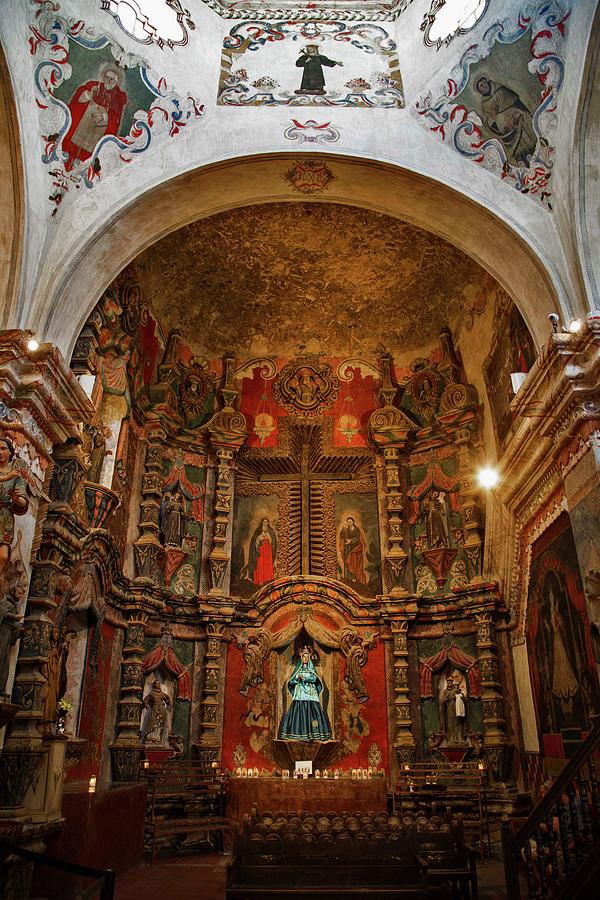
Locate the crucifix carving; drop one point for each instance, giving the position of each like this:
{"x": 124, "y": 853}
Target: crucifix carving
{"x": 305, "y": 467}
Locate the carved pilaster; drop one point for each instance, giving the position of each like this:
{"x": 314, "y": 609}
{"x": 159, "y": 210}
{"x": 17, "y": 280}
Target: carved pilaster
{"x": 219, "y": 557}
{"x": 404, "y": 742}
{"x": 472, "y": 525}
{"x": 494, "y": 721}
{"x": 227, "y": 430}
{"x": 127, "y": 750}
{"x": 390, "y": 429}
{"x": 61, "y": 541}
{"x": 148, "y": 549}
{"x": 209, "y": 743}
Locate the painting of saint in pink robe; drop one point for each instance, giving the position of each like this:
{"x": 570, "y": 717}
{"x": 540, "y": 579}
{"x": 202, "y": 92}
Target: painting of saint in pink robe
{"x": 262, "y": 553}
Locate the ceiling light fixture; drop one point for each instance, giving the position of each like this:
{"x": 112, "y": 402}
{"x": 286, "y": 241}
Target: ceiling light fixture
{"x": 488, "y": 477}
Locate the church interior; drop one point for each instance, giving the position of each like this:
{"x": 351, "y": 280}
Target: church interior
{"x": 299, "y": 448}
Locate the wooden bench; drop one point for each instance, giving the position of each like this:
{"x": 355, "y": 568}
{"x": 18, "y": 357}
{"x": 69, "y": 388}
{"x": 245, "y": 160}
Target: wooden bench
{"x": 448, "y": 864}
{"x": 318, "y": 855}
{"x": 184, "y": 800}
{"x": 454, "y": 788}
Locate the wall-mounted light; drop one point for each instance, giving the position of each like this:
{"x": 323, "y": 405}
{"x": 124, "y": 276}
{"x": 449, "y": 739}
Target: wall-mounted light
{"x": 554, "y": 319}
{"x": 33, "y": 345}
{"x": 575, "y": 326}
{"x": 488, "y": 477}
{"x": 517, "y": 379}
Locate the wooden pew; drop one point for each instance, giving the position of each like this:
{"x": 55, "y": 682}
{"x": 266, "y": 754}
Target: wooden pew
{"x": 319, "y": 855}
{"x": 183, "y": 800}
{"x": 454, "y": 788}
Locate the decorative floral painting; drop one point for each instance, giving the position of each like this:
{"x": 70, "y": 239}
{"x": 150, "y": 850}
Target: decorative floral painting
{"x": 561, "y": 658}
{"x": 100, "y": 106}
{"x": 310, "y": 64}
{"x": 498, "y": 107}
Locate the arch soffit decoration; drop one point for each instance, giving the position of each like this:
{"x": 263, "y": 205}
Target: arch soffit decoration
{"x": 306, "y": 590}
{"x": 75, "y": 286}
{"x": 12, "y": 193}
{"x": 586, "y": 163}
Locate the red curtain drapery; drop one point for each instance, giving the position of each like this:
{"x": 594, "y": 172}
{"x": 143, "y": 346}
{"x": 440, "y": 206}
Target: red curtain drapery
{"x": 438, "y": 480}
{"x": 458, "y": 658}
{"x": 165, "y": 656}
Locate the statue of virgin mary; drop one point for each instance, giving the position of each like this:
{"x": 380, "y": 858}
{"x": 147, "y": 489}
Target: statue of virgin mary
{"x": 305, "y": 719}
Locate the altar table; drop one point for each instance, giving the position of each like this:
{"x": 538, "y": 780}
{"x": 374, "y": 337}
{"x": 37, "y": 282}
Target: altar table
{"x": 305, "y": 795}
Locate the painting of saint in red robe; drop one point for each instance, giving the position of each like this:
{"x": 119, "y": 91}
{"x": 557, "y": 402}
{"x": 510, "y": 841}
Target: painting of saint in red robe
{"x": 352, "y": 551}
{"x": 262, "y": 553}
{"x": 96, "y": 110}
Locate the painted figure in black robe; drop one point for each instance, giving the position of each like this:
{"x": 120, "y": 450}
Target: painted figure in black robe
{"x": 313, "y": 80}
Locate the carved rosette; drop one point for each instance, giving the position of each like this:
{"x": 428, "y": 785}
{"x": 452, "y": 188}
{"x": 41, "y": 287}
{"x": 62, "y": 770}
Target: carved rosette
{"x": 227, "y": 430}
{"x": 148, "y": 549}
{"x": 404, "y": 742}
{"x": 494, "y": 721}
{"x": 209, "y": 742}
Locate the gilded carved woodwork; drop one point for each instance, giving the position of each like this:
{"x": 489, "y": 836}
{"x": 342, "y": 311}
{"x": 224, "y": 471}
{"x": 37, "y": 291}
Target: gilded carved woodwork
{"x": 257, "y": 644}
{"x": 213, "y": 673}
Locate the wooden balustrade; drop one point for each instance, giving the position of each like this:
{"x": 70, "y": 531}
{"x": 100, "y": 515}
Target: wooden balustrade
{"x": 559, "y": 843}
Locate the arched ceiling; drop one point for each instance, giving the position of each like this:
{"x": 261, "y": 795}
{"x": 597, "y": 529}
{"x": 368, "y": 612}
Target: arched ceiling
{"x": 286, "y": 278}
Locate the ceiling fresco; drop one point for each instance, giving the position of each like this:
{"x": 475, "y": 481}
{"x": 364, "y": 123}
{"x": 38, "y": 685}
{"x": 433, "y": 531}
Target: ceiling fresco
{"x": 307, "y": 277}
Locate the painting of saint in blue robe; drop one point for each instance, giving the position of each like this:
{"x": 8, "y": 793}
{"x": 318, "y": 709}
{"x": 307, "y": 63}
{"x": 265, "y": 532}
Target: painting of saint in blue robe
{"x": 305, "y": 719}
{"x": 313, "y": 80}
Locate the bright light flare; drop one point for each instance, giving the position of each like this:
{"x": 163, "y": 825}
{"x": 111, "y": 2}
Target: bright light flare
{"x": 33, "y": 345}
{"x": 488, "y": 477}
{"x": 575, "y": 326}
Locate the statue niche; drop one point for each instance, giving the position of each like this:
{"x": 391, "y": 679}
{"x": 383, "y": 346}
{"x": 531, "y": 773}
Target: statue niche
{"x": 452, "y": 680}
{"x": 302, "y": 663}
{"x": 453, "y": 702}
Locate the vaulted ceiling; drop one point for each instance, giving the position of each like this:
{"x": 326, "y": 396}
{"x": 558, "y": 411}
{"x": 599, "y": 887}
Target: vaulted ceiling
{"x": 284, "y": 278}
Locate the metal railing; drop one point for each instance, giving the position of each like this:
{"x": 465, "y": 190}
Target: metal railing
{"x": 106, "y": 877}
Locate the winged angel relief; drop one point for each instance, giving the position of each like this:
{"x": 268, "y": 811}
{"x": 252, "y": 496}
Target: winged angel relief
{"x": 100, "y": 106}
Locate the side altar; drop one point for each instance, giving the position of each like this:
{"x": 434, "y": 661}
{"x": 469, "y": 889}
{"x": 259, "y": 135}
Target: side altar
{"x": 323, "y": 795}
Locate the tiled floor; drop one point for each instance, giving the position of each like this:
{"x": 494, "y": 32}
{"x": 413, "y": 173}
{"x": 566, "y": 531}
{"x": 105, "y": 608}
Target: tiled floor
{"x": 203, "y": 878}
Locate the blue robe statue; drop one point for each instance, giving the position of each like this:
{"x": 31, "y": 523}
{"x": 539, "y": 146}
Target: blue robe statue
{"x": 305, "y": 719}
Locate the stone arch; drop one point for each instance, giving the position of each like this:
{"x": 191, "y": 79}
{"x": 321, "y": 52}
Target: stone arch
{"x": 12, "y": 193}
{"x": 587, "y": 173}
{"x": 507, "y": 254}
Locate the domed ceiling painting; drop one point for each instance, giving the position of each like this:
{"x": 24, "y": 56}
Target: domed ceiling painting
{"x": 307, "y": 277}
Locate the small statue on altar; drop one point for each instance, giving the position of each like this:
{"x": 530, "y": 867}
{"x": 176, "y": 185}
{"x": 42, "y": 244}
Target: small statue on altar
{"x": 454, "y": 709}
{"x": 172, "y": 519}
{"x": 12, "y": 593}
{"x": 13, "y": 499}
{"x": 55, "y": 670}
{"x": 99, "y": 435}
{"x": 156, "y": 703}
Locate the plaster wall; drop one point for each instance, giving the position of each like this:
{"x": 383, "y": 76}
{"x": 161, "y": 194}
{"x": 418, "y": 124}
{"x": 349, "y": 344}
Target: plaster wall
{"x": 60, "y": 251}
{"x": 531, "y": 742}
